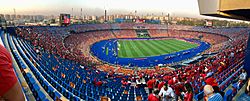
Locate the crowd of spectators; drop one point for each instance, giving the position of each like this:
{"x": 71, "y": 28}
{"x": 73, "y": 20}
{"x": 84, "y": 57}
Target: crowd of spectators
{"x": 138, "y": 25}
{"x": 158, "y": 32}
{"x": 163, "y": 83}
{"x": 89, "y": 27}
{"x": 125, "y": 33}
{"x": 82, "y": 41}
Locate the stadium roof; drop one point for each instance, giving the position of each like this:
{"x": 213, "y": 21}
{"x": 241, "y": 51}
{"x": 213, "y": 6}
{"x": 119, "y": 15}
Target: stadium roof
{"x": 235, "y": 9}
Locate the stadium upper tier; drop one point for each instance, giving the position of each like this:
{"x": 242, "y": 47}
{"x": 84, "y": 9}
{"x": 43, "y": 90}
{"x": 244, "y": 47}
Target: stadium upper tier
{"x": 44, "y": 55}
{"x": 74, "y": 42}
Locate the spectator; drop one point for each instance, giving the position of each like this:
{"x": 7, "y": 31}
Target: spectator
{"x": 124, "y": 82}
{"x": 161, "y": 84}
{"x": 243, "y": 75}
{"x": 139, "y": 82}
{"x": 76, "y": 47}
{"x": 10, "y": 89}
{"x": 211, "y": 80}
{"x": 217, "y": 90}
{"x": 178, "y": 88}
{"x": 99, "y": 83}
{"x": 167, "y": 93}
{"x": 150, "y": 84}
{"x": 210, "y": 95}
{"x": 188, "y": 96}
{"x": 241, "y": 79}
{"x": 154, "y": 96}
{"x": 248, "y": 87}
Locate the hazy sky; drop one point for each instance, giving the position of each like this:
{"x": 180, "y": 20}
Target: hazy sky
{"x": 187, "y": 8}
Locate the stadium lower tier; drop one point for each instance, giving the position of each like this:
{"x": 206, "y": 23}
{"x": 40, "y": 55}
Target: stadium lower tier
{"x": 145, "y": 52}
{"x": 51, "y": 77}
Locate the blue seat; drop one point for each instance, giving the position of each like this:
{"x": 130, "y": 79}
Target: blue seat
{"x": 66, "y": 93}
{"x": 199, "y": 96}
{"x": 41, "y": 95}
{"x": 82, "y": 96}
{"x": 235, "y": 85}
{"x": 56, "y": 95}
{"x": 116, "y": 98}
{"x": 90, "y": 99}
{"x": 29, "y": 75}
{"x": 228, "y": 95}
{"x": 36, "y": 87}
{"x": 46, "y": 100}
{"x": 32, "y": 80}
{"x": 131, "y": 98}
{"x": 23, "y": 66}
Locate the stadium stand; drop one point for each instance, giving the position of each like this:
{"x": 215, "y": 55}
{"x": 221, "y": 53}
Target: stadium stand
{"x": 125, "y": 33}
{"x": 56, "y": 62}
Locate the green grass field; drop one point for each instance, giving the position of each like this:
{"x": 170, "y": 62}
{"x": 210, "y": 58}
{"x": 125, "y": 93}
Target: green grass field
{"x": 146, "y": 48}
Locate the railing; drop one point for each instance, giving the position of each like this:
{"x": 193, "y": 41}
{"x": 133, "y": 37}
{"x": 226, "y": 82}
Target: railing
{"x": 238, "y": 65}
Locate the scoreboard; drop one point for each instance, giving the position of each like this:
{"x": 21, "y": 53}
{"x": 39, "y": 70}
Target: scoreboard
{"x": 209, "y": 23}
{"x": 64, "y": 19}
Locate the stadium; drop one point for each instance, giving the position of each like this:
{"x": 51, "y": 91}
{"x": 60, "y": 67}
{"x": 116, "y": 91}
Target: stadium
{"x": 126, "y": 61}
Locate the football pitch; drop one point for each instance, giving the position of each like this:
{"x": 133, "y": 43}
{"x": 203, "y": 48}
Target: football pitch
{"x": 147, "y": 48}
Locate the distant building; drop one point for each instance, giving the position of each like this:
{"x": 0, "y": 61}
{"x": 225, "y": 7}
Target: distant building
{"x": 7, "y": 17}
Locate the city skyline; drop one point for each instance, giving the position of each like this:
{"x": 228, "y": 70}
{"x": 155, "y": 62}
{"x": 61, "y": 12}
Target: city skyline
{"x": 96, "y": 7}
{"x": 176, "y": 8}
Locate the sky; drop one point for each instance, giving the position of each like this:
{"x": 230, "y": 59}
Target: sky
{"x": 187, "y": 8}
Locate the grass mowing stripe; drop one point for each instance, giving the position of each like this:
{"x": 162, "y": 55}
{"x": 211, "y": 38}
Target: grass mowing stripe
{"x": 132, "y": 49}
{"x": 186, "y": 44}
{"x": 151, "y": 47}
{"x": 174, "y": 43}
{"x": 137, "y": 50}
{"x": 120, "y": 52}
{"x": 168, "y": 45}
{"x": 121, "y": 48}
{"x": 189, "y": 45}
{"x": 181, "y": 47}
{"x": 159, "y": 46}
{"x": 144, "y": 49}
{"x": 182, "y": 43}
{"x": 127, "y": 49}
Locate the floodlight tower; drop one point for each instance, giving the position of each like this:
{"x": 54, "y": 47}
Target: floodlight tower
{"x": 135, "y": 14}
{"x": 168, "y": 21}
{"x": 81, "y": 12}
{"x": 105, "y": 15}
{"x": 14, "y": 16}
{"x": 72, "y": 13}
{"x": 14, "y": 13}
{"x": 105, "y": 10}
